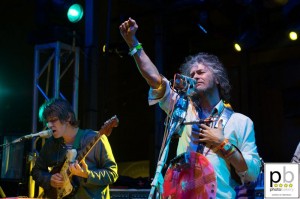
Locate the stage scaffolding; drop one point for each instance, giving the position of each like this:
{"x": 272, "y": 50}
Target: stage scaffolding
{"x": 53, "y": 63}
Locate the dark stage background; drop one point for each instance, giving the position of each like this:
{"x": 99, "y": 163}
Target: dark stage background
{"x": 265, "y": 76}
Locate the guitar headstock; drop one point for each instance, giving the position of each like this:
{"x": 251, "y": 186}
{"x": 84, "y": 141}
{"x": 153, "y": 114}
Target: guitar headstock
{"x": 108, "y": 125}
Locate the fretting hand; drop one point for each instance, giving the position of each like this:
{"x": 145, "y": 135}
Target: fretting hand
{"x": 78, "y": 170}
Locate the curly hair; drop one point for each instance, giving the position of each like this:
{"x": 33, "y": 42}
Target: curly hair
{"x": 215, "y": 66}
{"x": 59, "y": 108}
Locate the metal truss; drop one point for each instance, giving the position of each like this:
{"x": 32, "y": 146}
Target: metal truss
{"x": 56, "y": 70}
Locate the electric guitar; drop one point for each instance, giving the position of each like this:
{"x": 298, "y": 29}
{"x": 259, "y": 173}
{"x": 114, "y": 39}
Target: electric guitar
{"x": 69, "y": 189}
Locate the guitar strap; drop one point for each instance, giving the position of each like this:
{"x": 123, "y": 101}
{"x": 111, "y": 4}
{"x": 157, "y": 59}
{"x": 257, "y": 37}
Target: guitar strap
{"x": 226, "y": 114}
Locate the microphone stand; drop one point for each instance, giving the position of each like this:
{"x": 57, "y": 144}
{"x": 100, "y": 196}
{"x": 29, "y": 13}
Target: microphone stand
{"x": 31, "y": 161}
{"x": 174, "y": 125}
{"x": 31, "y": 158}
{"x": 158, "y": 178}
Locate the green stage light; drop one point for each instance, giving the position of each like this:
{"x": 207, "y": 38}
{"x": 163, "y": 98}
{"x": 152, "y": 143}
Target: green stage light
{"x": 75, "y": 13}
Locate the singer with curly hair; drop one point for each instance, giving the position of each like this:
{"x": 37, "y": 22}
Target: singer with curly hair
{"x": 217, "y": 144}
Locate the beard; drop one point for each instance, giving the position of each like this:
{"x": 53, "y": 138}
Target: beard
{"x": 203, "y": 91}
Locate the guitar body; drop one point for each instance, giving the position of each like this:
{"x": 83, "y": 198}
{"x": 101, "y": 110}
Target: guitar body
{"x": 68, "y": 187}
{"x": 190, "y": 175}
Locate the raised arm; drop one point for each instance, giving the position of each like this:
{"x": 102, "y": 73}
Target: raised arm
{"x": 146, "y": 67}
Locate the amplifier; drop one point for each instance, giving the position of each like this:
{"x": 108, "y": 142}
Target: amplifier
{"x": 129, "y": 193}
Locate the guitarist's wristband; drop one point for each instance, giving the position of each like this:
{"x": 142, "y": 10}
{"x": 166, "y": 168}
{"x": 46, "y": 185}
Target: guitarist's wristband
{"x": 217, "y": 148}
{"x": 227, "y": 150}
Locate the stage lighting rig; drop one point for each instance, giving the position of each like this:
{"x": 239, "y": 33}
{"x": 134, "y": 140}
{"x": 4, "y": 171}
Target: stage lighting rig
{"x": 58, "y": 20}
{"x": 59, "y": 12}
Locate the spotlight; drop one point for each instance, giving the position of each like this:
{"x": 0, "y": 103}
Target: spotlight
{"x": 246, "y": 41}
{"x": 293, "y": 35}
{"x": 293, "y": 31}
{"x": 237, "y": 47}
{"x": 59, "y": 12}
{"x": 67, "y": 9}
{"x": 75, "y": 13}
{"x": 58, "y": 20}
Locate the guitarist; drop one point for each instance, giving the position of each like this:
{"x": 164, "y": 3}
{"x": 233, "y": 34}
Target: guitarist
{"x": 230, "y": 148}
{"x": 92, "y": 177}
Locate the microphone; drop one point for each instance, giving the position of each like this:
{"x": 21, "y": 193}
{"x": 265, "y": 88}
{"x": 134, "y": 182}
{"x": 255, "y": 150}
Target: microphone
{"x": 43, "y": 134}
{"x": 185, "y": 84}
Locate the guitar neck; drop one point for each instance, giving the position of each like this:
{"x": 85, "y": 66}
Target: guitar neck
{"x": 105, "y": 130}
{"x": 83, "y": 153}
